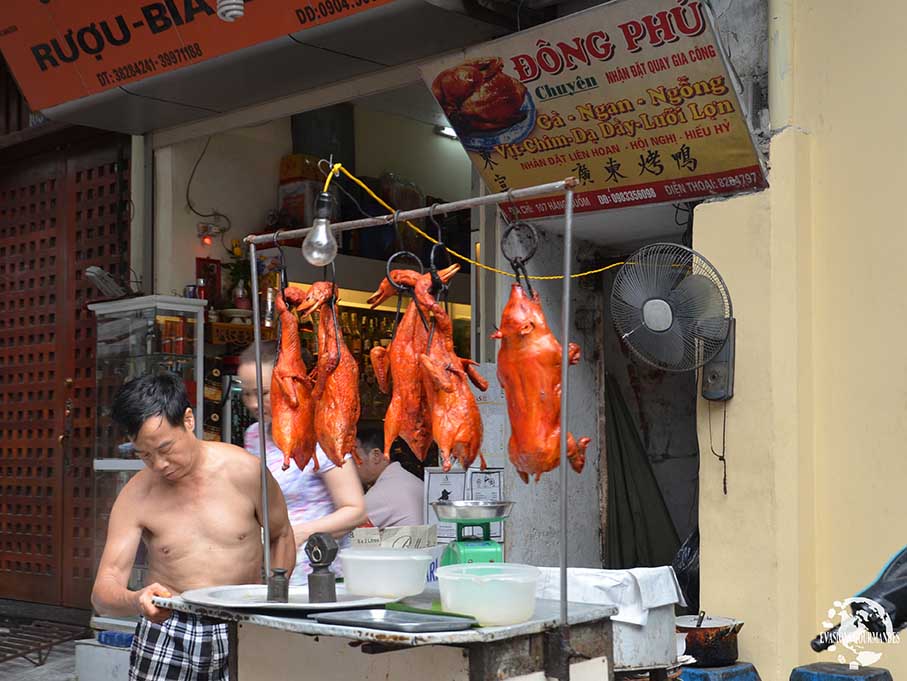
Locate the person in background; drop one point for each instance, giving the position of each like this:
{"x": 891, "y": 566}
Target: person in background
{"x": 395, "y": 495}
{"x": 329, "y": 500}
{"x": 197, "y": 507}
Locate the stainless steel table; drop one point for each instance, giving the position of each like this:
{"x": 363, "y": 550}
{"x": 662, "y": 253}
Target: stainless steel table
{"x": 266, "y": 647}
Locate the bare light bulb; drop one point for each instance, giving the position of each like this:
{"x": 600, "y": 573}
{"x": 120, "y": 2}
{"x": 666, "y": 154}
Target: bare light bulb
{"x": 320, "y": 246}
{"x": 230, "y": 10}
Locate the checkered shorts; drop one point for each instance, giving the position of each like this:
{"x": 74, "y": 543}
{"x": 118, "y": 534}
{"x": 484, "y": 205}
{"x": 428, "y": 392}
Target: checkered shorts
{"x": 184, "y": 648}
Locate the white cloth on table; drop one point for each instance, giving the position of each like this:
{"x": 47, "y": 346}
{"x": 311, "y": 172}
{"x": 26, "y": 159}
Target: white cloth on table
{"x": 633, "y": 591}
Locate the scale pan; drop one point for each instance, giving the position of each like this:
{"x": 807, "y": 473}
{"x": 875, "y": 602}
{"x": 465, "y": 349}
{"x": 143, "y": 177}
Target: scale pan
{"x": 460, "y": 511}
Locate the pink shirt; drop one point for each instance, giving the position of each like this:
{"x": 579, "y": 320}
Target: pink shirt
{"x": 306, "y": 494}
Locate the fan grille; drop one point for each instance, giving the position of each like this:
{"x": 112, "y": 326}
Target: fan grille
{"x": 669, "y": 279}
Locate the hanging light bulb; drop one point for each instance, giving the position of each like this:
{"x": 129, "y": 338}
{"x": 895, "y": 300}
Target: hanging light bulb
{"x": 320, "y": 246}
{"x": 230, "y": 10}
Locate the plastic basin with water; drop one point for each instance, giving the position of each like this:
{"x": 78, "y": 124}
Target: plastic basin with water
{"x": 496, "y": 594}
{"x": 386, "y": 573}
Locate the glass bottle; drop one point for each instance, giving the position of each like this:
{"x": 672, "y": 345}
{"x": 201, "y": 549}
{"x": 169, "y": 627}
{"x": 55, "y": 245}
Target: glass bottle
{"x": 354, "y": 339}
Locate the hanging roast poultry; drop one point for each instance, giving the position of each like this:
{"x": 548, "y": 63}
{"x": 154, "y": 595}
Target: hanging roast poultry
{"x": 529, "y": 369}
{"x": 397, "y": 369}
{"x": 456, "y": 424}
{"x": 292, "y": 406}
{"x": 336, "y": 391}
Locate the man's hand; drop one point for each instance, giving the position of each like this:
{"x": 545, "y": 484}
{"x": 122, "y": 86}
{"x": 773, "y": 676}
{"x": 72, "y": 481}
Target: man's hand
{"x": 148, "y": 609}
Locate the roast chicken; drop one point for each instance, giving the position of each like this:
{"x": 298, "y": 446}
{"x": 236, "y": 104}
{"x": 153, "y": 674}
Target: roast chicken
{"x": 336, "y": 391}
{"x": 292, "y": 405}
{"x": 456, "y": 424}
{"x": 478, "y": 96}
{"x": 529, "y": 369}
{"x": 397, "y": 370}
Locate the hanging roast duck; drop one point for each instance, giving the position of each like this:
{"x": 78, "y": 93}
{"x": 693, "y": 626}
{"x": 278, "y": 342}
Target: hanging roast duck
{"x": 336, "y": 391}
{"x": 456, "y": 424}
{"x": 529, "y": 369}
{"x": 397, "y": 369}
{"x": 292, "y": 405}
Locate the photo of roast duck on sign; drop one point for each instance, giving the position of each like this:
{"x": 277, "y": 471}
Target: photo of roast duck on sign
{"x": 634, "y": 98}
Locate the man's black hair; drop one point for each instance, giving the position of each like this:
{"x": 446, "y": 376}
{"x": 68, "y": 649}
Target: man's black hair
{"x": 147, "y": 396}
{"x": 371, "y": 436}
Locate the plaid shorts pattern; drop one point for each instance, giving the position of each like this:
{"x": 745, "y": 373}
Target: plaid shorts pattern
{"x": 184, "y": 648}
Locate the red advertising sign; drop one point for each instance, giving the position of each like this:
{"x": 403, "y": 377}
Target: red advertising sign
{"x": 61, "y": 50}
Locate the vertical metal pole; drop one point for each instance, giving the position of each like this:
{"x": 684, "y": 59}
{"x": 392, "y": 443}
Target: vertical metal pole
{"x": 565, "y": 363}
{"x": 148, "y": 263}
{"x": 262, "y": 424}
{"x": 199, "y": 371}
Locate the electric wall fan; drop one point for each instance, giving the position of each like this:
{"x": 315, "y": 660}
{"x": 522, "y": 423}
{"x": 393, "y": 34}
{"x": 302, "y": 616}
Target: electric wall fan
{"x": 673, "y": 309}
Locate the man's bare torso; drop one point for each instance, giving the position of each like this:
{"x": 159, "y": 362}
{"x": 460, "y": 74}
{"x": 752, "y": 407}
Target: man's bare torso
{"x": 203, "y": 531}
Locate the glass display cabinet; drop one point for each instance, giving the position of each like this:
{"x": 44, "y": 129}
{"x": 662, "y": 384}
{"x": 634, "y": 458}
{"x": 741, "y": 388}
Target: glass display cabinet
{"x": 138, "y": 336}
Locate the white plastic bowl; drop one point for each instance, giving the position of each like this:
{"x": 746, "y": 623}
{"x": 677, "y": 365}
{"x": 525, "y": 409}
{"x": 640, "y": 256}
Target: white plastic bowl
{"x": 385, "y": 573}
{"x": 496, "y": 594}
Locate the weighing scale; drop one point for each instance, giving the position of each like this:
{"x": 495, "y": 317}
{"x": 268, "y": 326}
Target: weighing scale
{"x": 472, "y": 514}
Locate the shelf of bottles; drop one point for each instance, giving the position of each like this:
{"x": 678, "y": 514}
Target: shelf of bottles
{"x": 135, "y": 337}
{"x": 134, "y": 342}
{"x": 364, "y": 329}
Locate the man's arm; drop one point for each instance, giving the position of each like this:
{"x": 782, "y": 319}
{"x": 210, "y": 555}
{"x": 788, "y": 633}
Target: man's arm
{"x": 349, "y": 505}
{"x": 111, "y": 595}
{"x": 283, "y": 545}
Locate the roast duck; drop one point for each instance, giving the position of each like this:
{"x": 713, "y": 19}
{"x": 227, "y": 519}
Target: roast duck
{"x": 456, "y": 424}
{"x": 478, "y": 96}
{"x": 397, "y": 369}
{"x": 336, "y": 390}
{"x": 292, "y": 403}
{"x": 529, "y": 369}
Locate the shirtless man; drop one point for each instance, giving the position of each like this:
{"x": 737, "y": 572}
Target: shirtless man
{"x": 197, "y": 507}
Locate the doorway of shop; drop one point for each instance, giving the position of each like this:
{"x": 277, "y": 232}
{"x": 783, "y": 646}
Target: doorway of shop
{"x": 64, "y": 206}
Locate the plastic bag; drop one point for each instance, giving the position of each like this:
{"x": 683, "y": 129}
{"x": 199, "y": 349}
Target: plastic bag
{"x": 686, "y": 566}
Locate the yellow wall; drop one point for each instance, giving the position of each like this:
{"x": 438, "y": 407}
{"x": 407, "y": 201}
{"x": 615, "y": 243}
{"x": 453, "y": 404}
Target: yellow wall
{"x": 815, "y": 267}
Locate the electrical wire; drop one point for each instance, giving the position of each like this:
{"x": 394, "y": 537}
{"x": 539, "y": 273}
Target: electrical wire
{"x": 214, "y": 214}
{"x": 338, "y": 168}
{"x": 722, "y": 457}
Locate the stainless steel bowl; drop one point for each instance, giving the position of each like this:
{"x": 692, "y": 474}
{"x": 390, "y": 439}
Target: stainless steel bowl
{"x": 458, "y": 511}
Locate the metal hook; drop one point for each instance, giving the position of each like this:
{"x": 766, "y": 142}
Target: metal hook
{"x": 390, "y": 261}
{"x": 517, "y": 263}
{"x": 431, "y": 218}
{"x": 283, "y": 267}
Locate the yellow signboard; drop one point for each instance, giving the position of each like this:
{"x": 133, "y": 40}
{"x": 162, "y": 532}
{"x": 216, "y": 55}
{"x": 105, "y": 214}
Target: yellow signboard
{"x": 633, "y": 98}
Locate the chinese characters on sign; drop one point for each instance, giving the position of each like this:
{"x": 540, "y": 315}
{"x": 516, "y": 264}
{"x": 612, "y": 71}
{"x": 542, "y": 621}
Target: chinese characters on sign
{"x": 632, "y": 98}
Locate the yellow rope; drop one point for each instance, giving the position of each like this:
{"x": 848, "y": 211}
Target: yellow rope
{"x": 338, "y": 168}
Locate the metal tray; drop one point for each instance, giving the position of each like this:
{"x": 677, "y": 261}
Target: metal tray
{"x": 465, "y": 511}
{"x": 392, "y": 620}
{"x": 255, "y": 597}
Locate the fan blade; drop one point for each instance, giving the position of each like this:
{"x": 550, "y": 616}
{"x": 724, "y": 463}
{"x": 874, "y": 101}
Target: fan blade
{"x": 629, "y": 288}
{"x": 627, "y": 317}
{"x": 664, "y": 350}
{"x": 697, "y": 297}
{"x": 714, "y": 329}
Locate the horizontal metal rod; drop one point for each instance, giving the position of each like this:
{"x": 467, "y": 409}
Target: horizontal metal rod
{"x": 438, "y": 209}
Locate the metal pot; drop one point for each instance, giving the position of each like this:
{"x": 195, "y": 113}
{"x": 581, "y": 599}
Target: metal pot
{"x": 713, "y": 642}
